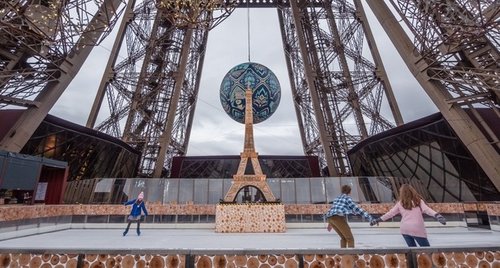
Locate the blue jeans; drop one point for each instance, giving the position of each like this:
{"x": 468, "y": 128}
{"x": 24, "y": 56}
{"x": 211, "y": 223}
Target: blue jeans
{"x": 410, "y": 240}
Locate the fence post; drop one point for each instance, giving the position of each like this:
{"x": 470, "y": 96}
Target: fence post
{"x": 411, "y": 259}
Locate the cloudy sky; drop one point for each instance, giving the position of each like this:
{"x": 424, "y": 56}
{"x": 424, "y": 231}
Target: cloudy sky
{"x": 213, "y": 131}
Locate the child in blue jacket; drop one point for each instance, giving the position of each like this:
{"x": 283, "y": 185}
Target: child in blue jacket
{"x": 135, "y": 213}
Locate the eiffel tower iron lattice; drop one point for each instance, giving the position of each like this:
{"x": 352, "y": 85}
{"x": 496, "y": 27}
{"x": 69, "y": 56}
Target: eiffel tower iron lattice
{"x": 151, "y": 90}
{"x": 43, "y": 44}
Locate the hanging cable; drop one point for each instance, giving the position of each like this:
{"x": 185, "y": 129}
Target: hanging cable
{"x": 248, "y": 26}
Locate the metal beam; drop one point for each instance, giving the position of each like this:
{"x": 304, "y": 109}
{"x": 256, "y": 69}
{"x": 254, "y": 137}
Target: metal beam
{"x": 25, "y": 126}
{"x": 465, "y": 128}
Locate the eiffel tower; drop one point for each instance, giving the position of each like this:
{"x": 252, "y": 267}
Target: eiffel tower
{"x": 151, "y": 80}
{"x": 241, "y": 179}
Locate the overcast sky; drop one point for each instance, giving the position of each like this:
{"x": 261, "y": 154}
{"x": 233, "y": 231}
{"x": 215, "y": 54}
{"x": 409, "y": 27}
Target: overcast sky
{"x": 213, "y": 131}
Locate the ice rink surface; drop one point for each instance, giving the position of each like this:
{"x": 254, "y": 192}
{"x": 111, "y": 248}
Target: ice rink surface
{"x": 206, "y": 239}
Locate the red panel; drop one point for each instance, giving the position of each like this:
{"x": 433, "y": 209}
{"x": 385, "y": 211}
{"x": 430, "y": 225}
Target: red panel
{"x": 56, "y": 178}
{"x": 7, "y": 119}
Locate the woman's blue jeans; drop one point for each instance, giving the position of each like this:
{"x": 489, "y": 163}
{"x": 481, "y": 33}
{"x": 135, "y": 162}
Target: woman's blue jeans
{"x": 413, "y": 240}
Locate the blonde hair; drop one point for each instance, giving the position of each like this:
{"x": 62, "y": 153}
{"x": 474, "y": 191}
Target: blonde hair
{"x": 409, "y": 197}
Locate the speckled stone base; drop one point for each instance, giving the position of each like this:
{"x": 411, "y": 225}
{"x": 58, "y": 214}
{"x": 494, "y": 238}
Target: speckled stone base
{"x": 437, "y": 258}
{"x": 250, "y": 218}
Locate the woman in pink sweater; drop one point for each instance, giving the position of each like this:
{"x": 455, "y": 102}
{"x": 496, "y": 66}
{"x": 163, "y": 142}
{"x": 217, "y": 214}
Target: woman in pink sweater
{"x": 411, "y": 206}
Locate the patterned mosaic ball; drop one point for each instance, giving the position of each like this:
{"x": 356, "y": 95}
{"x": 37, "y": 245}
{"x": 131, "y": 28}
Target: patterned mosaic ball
{"x": 266, "y": 91}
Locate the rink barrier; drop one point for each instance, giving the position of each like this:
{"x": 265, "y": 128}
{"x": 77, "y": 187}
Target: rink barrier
{"x": 345, "y": 258}
{"x": 20, "y": 220}
{"x": 23, "y": 212}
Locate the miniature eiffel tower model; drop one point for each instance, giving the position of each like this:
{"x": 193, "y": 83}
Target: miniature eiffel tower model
{"x": 240, "y": 179}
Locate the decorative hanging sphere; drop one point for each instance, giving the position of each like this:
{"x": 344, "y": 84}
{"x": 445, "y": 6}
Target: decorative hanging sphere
{"x": 266, "y": 91}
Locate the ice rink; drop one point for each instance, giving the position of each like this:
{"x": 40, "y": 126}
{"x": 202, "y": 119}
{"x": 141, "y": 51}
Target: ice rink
{"x": 173, "y": 239}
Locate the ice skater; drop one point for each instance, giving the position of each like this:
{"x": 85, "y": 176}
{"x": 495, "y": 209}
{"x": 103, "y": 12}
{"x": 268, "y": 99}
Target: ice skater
{"x": 135, "y": 213}
{"x": 411, "y": 206}
{"x": 336, "y": 216}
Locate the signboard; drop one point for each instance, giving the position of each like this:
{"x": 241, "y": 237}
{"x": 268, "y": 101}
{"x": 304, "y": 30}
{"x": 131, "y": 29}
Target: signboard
{"x": 41, "y": 190}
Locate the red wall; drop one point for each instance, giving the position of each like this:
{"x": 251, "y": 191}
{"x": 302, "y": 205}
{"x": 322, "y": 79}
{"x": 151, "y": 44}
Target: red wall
{"x": 56, "y": 179}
